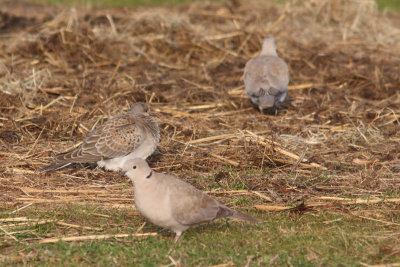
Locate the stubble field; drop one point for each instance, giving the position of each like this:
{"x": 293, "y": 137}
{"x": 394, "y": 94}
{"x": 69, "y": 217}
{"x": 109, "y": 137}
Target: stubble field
{"x": 323, "y": 174}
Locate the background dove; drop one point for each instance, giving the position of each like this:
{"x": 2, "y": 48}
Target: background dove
{"x": 174, "y": 204}
{"x": 133, "y": 135}
{"x": 266, "y": 78}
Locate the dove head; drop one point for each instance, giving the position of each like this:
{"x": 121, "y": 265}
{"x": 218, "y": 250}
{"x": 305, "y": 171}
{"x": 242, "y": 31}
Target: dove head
{"x": 140, "y": 108}
{"x": 137, "y": 170}
{"x": 269, "y": 47}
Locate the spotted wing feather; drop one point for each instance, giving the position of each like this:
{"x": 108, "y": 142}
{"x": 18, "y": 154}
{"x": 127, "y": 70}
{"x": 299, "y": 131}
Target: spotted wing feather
{"x": 116, "y": 138}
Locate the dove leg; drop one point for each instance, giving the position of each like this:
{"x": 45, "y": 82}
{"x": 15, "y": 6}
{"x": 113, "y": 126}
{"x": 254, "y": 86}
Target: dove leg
{"x": 177, "y": 236}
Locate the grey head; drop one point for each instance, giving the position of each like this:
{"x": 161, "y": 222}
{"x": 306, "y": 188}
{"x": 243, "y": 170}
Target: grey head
{"x": 139, "y": 108}
{"x": 269, "y": 47}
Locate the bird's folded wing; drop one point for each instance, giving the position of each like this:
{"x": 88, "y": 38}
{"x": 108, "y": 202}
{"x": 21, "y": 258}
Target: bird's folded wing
{"x": 190, "y": 206}
{"x": 116, "y": 138}
{"x": 277, "y": 74}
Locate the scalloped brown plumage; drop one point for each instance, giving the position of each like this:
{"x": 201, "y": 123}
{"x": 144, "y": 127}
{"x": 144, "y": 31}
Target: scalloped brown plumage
{"x": 134, "y": 134}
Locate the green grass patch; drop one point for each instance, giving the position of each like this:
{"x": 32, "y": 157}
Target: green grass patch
{"x": 311, "y": 239}
{"x": 390, "y": 4}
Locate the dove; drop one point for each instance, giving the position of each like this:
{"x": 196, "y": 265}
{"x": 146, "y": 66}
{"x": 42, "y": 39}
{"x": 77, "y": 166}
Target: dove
{"x": 266, "y": 78}
{"x": 132, "y": 135}
{"x": 171, "y": 203}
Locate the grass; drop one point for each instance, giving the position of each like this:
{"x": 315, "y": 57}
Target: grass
{"x": 311, "y": 239}
{"x": 382, "y": 4}
{"x": 128, "y": 3}
{"x": 390, "y": 4}
{"x": 116, "y": 3}
{"x": 66, "y": 73}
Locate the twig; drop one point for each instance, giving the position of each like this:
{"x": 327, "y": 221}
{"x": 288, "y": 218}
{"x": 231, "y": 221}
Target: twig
{"x": 168, "y": 166}
{"x": 228, "y": 264}
{"x": 220, "y": 137}
{"x": 113, "y": 75}
{"x": 212, "y": 138}
{"x": 16, "y": 219}
{"x": 376, "y": 220}
{"x": 72, "y": 191}
{"x": 394, "y": 264}
{"x": 29, "y": 223}
{"x": 227, "y": 113}
{"x": 42, "y": 200}
{"x": 181, "y": 113}
{"x": 109, "y": 205}
{"x": 91, "y": 237}
{"x": 23, "y": 207}
{"x": 174, "y": 262}
{"x": 51, "y": 103}
{"x": 7, "y": 233}
{"x": 23, "y": 171}
{"x": 34, "y": 144}
{"x": 78, "y": 226}
{"x": 206, "y": 106}
{"x": 246, "y": 192}
{"x": 273, "y": 145}
{"x": 261, "y": 195}
{"x": 233, "y": 163}
{"x": 215, "y": 37}
{"x": 360, "y": 200}
{"x": 140, "y": 228}
{"x": 112, "y": 24}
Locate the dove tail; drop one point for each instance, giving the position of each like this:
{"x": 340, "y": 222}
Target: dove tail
{"x": 64, "y": 159}
{"x": 244, "y": 217}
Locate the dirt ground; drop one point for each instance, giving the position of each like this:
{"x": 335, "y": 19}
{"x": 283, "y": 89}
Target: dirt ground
{"x": 65, "y": 70}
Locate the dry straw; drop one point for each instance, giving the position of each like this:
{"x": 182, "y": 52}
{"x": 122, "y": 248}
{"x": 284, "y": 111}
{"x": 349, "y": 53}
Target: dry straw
{"x": 65, "y": 70}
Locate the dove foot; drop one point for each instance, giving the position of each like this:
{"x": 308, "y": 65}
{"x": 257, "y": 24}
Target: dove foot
{"x": 270, "y": 111}
{"x": 177, "y": 236}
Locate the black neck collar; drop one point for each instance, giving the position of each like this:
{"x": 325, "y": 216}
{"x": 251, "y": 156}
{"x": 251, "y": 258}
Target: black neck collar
{"x": 150, "y": 174}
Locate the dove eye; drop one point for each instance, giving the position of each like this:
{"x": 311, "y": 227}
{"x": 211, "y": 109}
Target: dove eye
{"x": 134, "y": 167}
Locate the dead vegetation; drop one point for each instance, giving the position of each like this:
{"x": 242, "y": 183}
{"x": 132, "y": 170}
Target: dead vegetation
{"x": 66, "y": 70}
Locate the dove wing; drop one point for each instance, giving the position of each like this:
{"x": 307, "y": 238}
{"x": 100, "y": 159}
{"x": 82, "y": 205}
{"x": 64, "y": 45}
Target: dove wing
{"x": 253, "y": 75}
{"x": 116, "y": 138}
{"x": 276, "y": 76}
{"x": 256, "y": 78}
{"x": 190, "y": 206}
{"x": 268, "y": 73}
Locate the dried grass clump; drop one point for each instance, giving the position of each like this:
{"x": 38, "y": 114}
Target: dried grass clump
{"x": 67, "y": 71}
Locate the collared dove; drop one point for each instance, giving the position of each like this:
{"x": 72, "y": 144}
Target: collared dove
{"x": 266, "y": 78}
{"x": 132, "y": 135}
{"x": 172, "y": 203}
